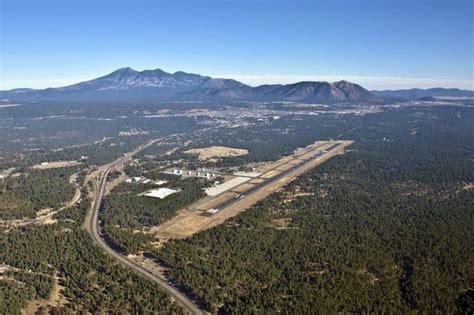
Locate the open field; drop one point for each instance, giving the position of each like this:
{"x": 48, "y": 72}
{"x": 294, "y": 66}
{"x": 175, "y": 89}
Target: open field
{"x": 228, "y": 204}
{"x": 58, "y": 164}
{"x": 217, "y": 152}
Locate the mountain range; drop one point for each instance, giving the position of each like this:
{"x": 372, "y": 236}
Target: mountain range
{"x": 129, "y": 85}
{"x": 421, "y": 93}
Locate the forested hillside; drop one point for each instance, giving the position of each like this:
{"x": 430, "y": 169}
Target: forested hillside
{"x": 23, "y": 195}
{"x": 387, "y": 227}
{"x": 93, "y": 282}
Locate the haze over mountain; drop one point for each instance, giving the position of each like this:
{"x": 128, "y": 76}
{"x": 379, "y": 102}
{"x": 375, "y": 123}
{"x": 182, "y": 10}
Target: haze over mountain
{"x": 129, "y": 85}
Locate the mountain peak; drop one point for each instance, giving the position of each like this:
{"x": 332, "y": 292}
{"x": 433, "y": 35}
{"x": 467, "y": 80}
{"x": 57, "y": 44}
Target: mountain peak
{"x": 158, "y": 70}
{"x": 125, "y": 69}
{"x": 341, "y": 82}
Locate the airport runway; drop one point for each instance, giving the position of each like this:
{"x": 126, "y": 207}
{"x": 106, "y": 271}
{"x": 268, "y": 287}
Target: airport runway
{"x": 271, "y": 179}
{"x": 212, "y": 211}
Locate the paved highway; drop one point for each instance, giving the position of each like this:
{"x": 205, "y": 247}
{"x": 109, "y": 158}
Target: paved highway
{"x": 99, "y": 183}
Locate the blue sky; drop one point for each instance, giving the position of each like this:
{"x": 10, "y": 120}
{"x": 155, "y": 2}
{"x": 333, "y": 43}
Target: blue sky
{"x": 378, "y": 43}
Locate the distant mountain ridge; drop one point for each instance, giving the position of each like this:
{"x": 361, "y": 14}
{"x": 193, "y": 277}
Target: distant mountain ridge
{"x": 126, "y": 84}
{"x": 306, "y": 91}
{"x": 420, "y": 93}
{"x": 126, "y": 78}
{"x": 129, "y": 85}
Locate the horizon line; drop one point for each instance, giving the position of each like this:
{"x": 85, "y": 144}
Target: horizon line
{"x": 371, "y": 82}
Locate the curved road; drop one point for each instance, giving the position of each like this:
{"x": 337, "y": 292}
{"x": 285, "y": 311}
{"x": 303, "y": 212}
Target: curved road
{"x": 99, "y": 191}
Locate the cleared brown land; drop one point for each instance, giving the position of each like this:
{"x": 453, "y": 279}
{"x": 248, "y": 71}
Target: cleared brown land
{"x": 58, "y": 164}
{"x": 189, "y": 222}
{"x": 216, "y": 152}
{"x": 468, "y": 186}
